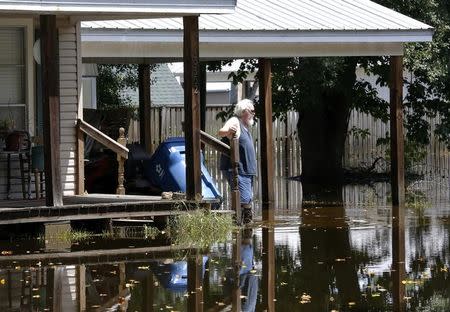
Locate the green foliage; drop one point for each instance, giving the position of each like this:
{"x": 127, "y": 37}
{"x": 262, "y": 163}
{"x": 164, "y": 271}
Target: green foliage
{"x": 429, "y": 68}
{"x": 415, "y": 152}
{"x": 200, "y": 228}
{"x": 302, "y": 84}
{"x": 151, "y": 232}
{"x": 358, "y": 132}
{"x": 112, "y": 82}
{"x": 416, "y": 199}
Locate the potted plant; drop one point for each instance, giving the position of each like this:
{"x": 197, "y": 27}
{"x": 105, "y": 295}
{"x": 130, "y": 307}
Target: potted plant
{"x": 6, "y": 125}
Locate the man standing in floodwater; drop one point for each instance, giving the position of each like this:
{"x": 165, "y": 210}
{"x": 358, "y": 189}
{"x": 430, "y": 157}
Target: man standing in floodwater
{"x": 239, "y": 126}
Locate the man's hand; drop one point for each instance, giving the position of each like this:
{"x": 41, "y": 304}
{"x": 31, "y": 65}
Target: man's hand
{"x": 232, "y": 130}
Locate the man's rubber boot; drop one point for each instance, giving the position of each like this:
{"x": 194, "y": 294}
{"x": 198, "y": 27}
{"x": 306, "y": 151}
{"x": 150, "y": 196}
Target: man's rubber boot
{"x": 247, "y": 214}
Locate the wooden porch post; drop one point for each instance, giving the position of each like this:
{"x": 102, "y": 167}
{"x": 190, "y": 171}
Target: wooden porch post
{"x": 266, "y": 136}
{"x": 50, "y": 99}
{"x": 397, "y": 139}
{"x": 192, "y": 107}
{"x": 145, "y": 107}
{"x": 203, "y": 81}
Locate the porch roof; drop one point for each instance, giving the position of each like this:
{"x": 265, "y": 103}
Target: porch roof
{"x": 267, "y": 28}
{"x": 89, "y": 8}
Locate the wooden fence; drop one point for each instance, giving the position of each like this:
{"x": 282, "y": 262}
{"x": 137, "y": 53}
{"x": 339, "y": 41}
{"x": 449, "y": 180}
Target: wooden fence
{"x": 359, "y": 151}
{"x": 167, "y": 122}
{"x": 362, "y": 151}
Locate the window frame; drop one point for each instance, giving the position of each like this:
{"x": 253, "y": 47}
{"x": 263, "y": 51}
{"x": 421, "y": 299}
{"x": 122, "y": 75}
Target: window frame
{"x": 29, "y": 82}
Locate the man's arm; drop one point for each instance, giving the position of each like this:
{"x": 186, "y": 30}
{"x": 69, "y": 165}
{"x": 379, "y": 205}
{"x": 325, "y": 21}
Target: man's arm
{"x": 229, "y": 128}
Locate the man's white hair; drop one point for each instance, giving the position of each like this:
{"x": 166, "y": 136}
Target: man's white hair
{"x": 242, "y": 105}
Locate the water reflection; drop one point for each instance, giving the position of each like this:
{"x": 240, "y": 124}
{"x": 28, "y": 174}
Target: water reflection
{"x": 337, "y": 257}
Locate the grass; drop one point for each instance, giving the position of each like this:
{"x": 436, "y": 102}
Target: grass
{"x": 196, "y": 228}
{"x": 70, "y": 236}
{"x": 76, "y": 236}
{"x": 151, "y": 232}
{"x": 416, "y": 200}
{"x": 200, "y": 228}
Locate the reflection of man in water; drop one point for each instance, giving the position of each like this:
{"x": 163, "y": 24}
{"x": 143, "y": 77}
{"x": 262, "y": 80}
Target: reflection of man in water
{"x": 248, "y": 281}
{"x": 239, "y": 126}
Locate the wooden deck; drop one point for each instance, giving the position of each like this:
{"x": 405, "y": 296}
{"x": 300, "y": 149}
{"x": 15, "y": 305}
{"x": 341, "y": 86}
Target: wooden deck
{"x": 130, "y": 255}
{"x": 92, "y": 206}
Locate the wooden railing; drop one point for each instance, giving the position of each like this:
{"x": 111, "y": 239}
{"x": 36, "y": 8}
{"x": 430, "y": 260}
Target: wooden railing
{"x": 118, "y": 147}
{"x": 231, "y": 151}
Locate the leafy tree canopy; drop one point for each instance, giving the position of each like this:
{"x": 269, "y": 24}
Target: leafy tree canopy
{"x": 112, "y": 82}
{"x": 303, "y": 83}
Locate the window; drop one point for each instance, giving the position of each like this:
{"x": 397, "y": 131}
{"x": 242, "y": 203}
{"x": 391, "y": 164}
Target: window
{"x": 12, "y": 76}
{"x": 89, "y": 92}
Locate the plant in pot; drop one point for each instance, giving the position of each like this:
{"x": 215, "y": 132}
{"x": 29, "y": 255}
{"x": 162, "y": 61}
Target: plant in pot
{"x": 6, "y": 125}
{"x": 6, "y": 128}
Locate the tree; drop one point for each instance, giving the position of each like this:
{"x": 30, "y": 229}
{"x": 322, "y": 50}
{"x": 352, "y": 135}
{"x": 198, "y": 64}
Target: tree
{"x": 113, "y": 82}
{"x": 325, "y": 90}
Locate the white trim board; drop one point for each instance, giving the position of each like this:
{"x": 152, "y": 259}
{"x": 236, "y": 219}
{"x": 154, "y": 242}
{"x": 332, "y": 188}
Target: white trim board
{"x": 114, "y": 52}
{"x": 259, "y": 37}
{"x": 121, "y": 7}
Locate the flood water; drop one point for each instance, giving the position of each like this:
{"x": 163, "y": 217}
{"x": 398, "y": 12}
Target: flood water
{"x": 359, "y": 256}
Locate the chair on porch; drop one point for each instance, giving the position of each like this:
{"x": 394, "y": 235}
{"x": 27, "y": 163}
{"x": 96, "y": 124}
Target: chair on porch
{"x": 18, "y": 147}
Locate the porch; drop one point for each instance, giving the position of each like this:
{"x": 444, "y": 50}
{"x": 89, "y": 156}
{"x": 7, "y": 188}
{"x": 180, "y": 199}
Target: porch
{"x": 95, "y": 207}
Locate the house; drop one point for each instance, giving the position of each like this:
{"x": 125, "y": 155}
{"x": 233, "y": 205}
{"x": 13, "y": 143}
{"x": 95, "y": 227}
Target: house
{"x": 261, "y": 30}
{"x": 40, "y": 74}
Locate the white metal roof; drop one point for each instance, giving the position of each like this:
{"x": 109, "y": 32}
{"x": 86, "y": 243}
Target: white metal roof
{"x": 272, "y": 28}
{"x": 122, "y": 8}
{"x": 286, "y": 15}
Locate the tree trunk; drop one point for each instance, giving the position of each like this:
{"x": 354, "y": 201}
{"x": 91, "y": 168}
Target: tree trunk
{"x": 322, "y": 132}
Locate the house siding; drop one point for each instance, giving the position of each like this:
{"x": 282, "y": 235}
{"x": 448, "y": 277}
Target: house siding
{"x": 70, "y": 90}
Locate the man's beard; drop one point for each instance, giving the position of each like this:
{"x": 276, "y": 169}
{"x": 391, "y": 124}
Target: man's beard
{"x": 251, "y": 122}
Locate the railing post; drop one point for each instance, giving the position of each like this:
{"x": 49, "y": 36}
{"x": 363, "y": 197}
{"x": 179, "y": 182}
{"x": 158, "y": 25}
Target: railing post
{"x": 121, "y": 169}
{"x": 235, "y": 194}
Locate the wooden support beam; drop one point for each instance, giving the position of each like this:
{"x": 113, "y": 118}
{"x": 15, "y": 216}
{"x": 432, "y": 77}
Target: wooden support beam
{"x": 266, "y": 133}
{"x": 192, "y": 107}
{"x": 235, "y": 193}
{"x": 145, "y": 132}
{"x": 397, "y": 138}
{"x": 195, "y": 283}
{"x": 203, "y": 81}
{"x": 50, "y": 100}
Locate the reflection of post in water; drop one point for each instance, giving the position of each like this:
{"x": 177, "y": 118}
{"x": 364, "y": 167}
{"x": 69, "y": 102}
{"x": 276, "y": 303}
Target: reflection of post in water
{"x": 49, "y": 300}
{"x": 326, "y": 256}
{"x": 195, "y": 281}
{"x": 398, "y": 257}
{"x": 237, "y": 263}
{"x": 81, "y": 287}
{"x": 148, "y": 287}
{"x": 268, "y": 269}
